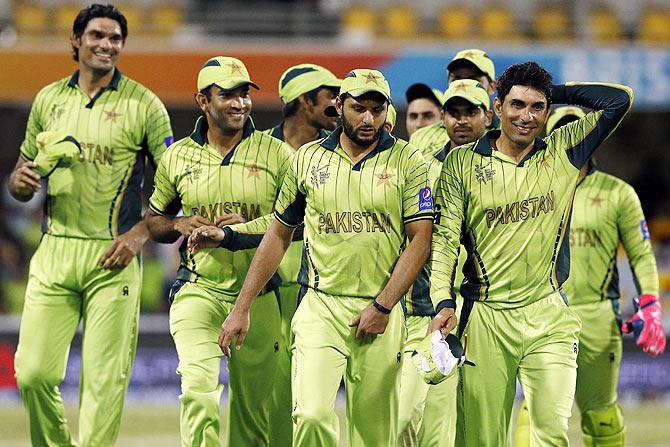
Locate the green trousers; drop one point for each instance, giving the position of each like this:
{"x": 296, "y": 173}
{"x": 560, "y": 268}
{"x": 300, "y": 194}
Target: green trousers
{"x": 66, "y": 286}
{"x": 196, "y": 315}
{"x": 325, "y": 350}
{"x": 281, "y": 422}
{"x": 427, "y": 414}
{"x": 539, "y": 344}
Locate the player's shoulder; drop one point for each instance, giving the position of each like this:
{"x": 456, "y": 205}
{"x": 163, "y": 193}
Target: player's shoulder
{"x": 180, "y": 149}
{"x": 613, "y": 183}
{"x": 53, "y": 89}
{"x": 133, "y": 89}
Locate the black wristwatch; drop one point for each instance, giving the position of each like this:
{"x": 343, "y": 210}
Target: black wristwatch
{"x": 381, "y": 308}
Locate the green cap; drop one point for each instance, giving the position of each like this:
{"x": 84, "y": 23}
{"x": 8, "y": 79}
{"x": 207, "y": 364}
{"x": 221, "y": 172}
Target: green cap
{"x": 226, "y": 72}
{"x": 561, "y": 112}
{"x": 391, "y": 115}
{"x": 470, "y": 90}
{"x": 363, "y": 80}
{"x": 475, "y": 57}
{"x": 303, "y": 78}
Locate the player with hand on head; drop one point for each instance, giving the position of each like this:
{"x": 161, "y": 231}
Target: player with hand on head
{"x": 507, "y": 198}
{"x": 467, "y": 114}
{"x": 225, "y": 172}
{"x": 605, "y": 212}
{"x": 362, "y": 194}
{"x": 89, "y": 136}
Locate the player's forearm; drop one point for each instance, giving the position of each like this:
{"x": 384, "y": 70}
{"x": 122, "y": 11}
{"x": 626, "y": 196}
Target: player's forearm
{"x": 161, "y": 228}
{"x": 20, "y": 194}
{"x": 264, "y": 264}
{"x": 614, "y": 100}
{"x": 409, "y": 264}
{"x": 139, "y": 233}
{"x": 646, "y": 272}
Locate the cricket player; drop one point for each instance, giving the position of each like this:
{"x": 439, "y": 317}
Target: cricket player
{"x": 424, "y": 107}
{"x": 307, "y": 91}
{"x": 467, "y": 64}
{"x": 88, "y": 139}
{"x": 361, "y": 193}
{"x": 507, "y": 198}
{"x": 606, "y": 212}
{"x": 225, "y": 172}
{"x": 467, "y": 113}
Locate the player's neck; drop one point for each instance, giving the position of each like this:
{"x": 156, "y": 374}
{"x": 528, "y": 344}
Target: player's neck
{"x": 223, "y": 141}
{"x": 355, "y": 151}
{"x": 506, "y": 146}
{"x": 91, "y": 81}
{"x": 298, "y": 131}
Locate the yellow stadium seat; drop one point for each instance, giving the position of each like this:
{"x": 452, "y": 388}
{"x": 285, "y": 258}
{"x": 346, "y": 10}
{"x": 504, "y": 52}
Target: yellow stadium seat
{"x": 63, "y": 18}
{"x": 401, "y": 21}
{"x": 167, "y": 19}
{"x": 655, "y": 27}
{"x": 358, "y": 18}
{"x": 552, "y": 24}
{"x": 30, "y": 19}
{"x": 605, "y": 26}
{"x": 455, "y": 23}
{"x": 134, "y": 19}
{"x": 498, "y": 24}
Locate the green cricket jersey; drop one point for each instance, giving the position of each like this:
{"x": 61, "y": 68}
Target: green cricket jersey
{"x": 430, "y": 139}
{"x": 512, "y": 217}
{"x": 196, "y": 177}
{"x": 354, "y": 214}
{"x": 290, "y": 264}
{"x": 117, "y": 130}
{"x": 606, "y": 210}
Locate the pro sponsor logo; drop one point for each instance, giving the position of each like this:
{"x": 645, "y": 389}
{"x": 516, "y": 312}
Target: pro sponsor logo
{"x": 425, "y": 199}
{"x": 645, "y": 230}
{"x": 168, "y": 141}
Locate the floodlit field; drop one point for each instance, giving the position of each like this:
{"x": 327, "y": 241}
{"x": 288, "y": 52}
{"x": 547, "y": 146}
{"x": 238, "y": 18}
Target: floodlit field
{"x": 149, "y": 426}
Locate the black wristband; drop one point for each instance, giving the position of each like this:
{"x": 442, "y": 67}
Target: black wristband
{"x": 381, "y": 308}
{"x": 227, "y": 236}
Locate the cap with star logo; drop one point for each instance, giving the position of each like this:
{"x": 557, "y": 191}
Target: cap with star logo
{"x": 226, "y": 72}
{"x": 562, "y": 112}
{"x": 303, "y": 78}
{"x": 363, "y": 80}
{"x": 391, "y": 115}
{"x": 476, "y": 57}
{"x": 470, "y": 90}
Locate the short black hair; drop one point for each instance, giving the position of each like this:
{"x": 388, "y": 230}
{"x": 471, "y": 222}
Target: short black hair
{"x": 528, "y": 74}
{"x": 291, "y": 108}
{"x": 95, "y": 11}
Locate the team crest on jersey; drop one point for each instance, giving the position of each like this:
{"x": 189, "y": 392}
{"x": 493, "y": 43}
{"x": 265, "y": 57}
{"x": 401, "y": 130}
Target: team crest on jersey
{"x": 319, "y": 176}
{"x": 384, "y": 177}
{"x": 254, "y": 171}
{"x": 484, "y": 174}
{"x": 645, "y": 230}
{"x": 425, "y": 199}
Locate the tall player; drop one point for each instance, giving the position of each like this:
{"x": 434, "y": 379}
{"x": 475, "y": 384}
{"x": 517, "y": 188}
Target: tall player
{"x": 307, "y": 92}
{"x": 472, "y": 64}
{"x": 606, "y": 212}
{"x": 360, "y": 192}
{"x": 225, "y": 172}
{"x": 467, "y": 114}
{"x": 508, "y": 198}
{"x": 86, "y": 267}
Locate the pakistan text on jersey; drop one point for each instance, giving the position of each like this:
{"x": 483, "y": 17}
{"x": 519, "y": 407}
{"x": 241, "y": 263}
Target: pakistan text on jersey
{"x": 354, "y": 222}
{"x": 525, "y": 209}
{"x": 584, "y": 237}
{"x": 215, "y": 210}
{"x": 94, "y": 153}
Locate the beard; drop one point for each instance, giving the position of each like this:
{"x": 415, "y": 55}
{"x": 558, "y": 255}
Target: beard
{"x": 350, "y": 132}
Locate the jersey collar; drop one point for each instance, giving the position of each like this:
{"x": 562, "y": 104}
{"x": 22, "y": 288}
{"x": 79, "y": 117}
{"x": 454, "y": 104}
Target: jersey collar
{"x": 441, "y": 155}
{"x": 199, "y": 134}
{"x": 483, "y": 146}
{"x": 278, "y": 132}
{"x": 113, "y": 84}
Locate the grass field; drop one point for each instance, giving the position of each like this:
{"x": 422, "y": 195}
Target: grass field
{"x": 158, "y": 426}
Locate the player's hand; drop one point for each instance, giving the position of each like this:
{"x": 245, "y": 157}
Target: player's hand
{"x": 444, "y": 321}
{"x": 186, "y": 225}
{"x": 123, "y": 249}
{"x": 205, "y": 237}
{"x": 236, "y": 325}
{"x": 26, "y": 181}
{"x": 647, "y": 326}
{"x": 370, "y": 322}
{"x": 230, "y": 219}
